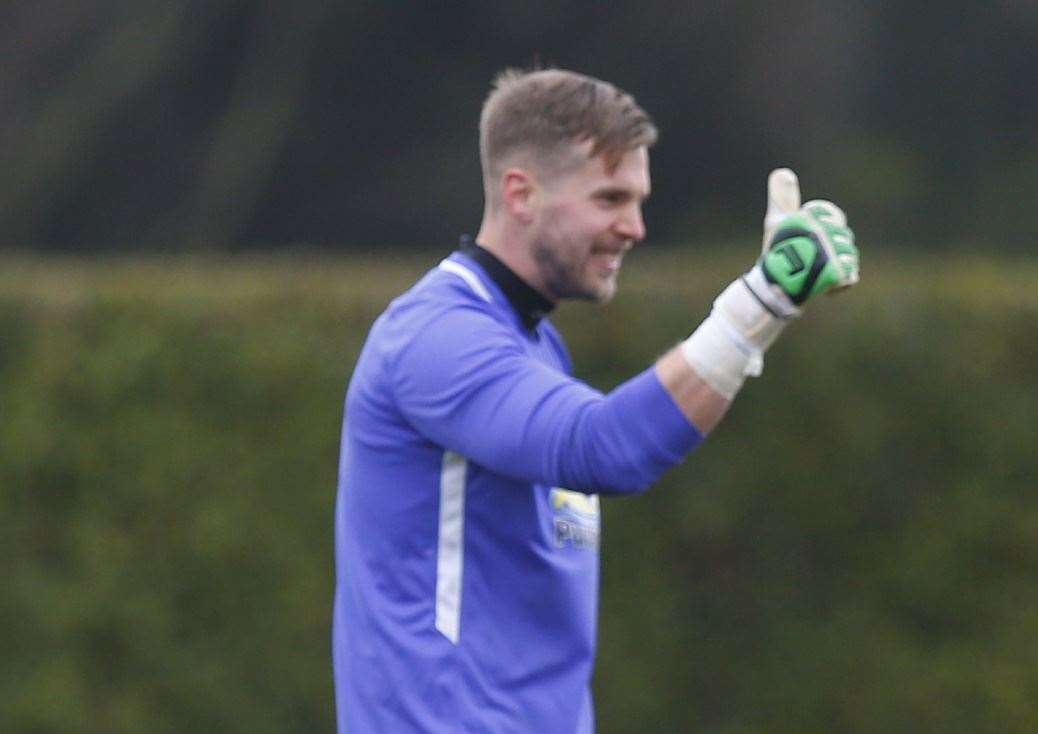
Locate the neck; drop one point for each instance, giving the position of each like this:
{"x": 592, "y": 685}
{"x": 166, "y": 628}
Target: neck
{"x": 511, "y": 248}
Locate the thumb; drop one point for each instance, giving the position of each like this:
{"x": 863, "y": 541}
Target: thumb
{"x": 783, "y": 198}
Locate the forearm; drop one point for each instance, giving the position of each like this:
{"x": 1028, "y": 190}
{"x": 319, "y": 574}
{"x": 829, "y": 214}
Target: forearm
{"x": 701, "y": 404}
{"x": 622, "y": 442}
{"x": 705, "y": 372}
{"x": 807, "y": 250}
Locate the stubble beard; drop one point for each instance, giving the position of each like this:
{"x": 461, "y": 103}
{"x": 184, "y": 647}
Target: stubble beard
{"x": 566, "y": 272}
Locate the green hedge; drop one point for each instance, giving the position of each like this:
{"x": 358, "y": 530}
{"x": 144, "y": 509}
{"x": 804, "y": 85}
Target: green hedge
{"x": 855, "y": 549}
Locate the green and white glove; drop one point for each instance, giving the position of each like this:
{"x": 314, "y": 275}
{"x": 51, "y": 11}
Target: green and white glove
{"x": 806, "y": 250}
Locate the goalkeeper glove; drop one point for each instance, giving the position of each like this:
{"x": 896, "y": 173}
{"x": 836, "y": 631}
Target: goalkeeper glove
{"x": 806, "y": 250}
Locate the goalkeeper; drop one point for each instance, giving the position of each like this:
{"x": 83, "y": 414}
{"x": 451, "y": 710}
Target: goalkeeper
{"x": 467, "y": 523}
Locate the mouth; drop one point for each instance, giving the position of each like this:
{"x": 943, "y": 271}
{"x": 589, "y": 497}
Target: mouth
{"x": 607, "y": 261}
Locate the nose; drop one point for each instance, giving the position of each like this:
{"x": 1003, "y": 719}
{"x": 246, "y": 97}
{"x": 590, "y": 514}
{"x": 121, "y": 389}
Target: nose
{"x": 630, "y": 225}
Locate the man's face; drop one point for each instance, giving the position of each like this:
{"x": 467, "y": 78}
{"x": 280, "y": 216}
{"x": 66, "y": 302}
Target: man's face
{"x": 587, "y": 219}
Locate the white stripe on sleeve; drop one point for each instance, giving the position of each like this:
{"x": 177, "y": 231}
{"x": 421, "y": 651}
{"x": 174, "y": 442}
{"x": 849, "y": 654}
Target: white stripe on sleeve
{"x": 451, "y": 547}
{"x": 469, "y": 277}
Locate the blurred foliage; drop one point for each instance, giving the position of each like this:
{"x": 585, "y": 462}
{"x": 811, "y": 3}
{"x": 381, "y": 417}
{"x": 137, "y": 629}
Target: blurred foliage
{"x": 240, "y": 124}
{"x": 854, "y": 550}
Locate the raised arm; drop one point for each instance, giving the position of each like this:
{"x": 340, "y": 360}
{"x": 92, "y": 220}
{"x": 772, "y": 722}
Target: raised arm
{"x": 806, "y": 250}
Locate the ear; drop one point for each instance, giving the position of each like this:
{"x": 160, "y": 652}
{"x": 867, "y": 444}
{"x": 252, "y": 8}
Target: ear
{"x": 519, "y": 194}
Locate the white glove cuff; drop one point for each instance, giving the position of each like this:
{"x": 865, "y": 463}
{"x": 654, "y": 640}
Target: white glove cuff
{"x": 720, "y": 356}
{"x": 757, "y": 309}
{"x": 730, "y": 344}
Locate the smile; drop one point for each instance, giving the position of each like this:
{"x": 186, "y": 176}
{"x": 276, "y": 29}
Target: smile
{"x": 607, "y": 262}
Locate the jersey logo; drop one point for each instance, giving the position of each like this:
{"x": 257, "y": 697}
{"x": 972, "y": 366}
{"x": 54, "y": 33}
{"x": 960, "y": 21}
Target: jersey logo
{"x": 576, "y": 520}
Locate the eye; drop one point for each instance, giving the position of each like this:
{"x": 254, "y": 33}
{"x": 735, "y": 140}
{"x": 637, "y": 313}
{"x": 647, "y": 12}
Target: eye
{"x": 613, "y": 197}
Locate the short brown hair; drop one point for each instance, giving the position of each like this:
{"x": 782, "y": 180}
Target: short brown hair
{"x": 546, "y": 111}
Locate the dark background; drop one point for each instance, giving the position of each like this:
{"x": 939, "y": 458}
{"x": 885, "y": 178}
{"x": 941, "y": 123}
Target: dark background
{"x": 232, "y": 125}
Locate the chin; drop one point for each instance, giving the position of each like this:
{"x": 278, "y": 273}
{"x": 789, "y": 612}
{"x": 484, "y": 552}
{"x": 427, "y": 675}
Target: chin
{"x": 603, "y": 292}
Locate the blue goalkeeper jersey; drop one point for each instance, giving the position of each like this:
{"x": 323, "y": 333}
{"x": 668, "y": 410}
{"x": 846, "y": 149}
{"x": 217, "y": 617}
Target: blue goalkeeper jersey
{"x": 467, "y": 518}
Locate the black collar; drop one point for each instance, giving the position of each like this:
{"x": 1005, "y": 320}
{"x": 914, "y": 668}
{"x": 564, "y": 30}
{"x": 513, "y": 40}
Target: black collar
{"x": 528, "y": 303}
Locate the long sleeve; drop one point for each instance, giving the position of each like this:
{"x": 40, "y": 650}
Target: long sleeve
{"x": 465, "y": 382}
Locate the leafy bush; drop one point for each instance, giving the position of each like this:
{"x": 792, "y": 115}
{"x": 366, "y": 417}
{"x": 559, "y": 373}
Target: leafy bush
{"x": 855, "y": 549}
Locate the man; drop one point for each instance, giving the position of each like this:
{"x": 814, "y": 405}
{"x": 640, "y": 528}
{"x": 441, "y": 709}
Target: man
{"x": 467, "y": 513}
